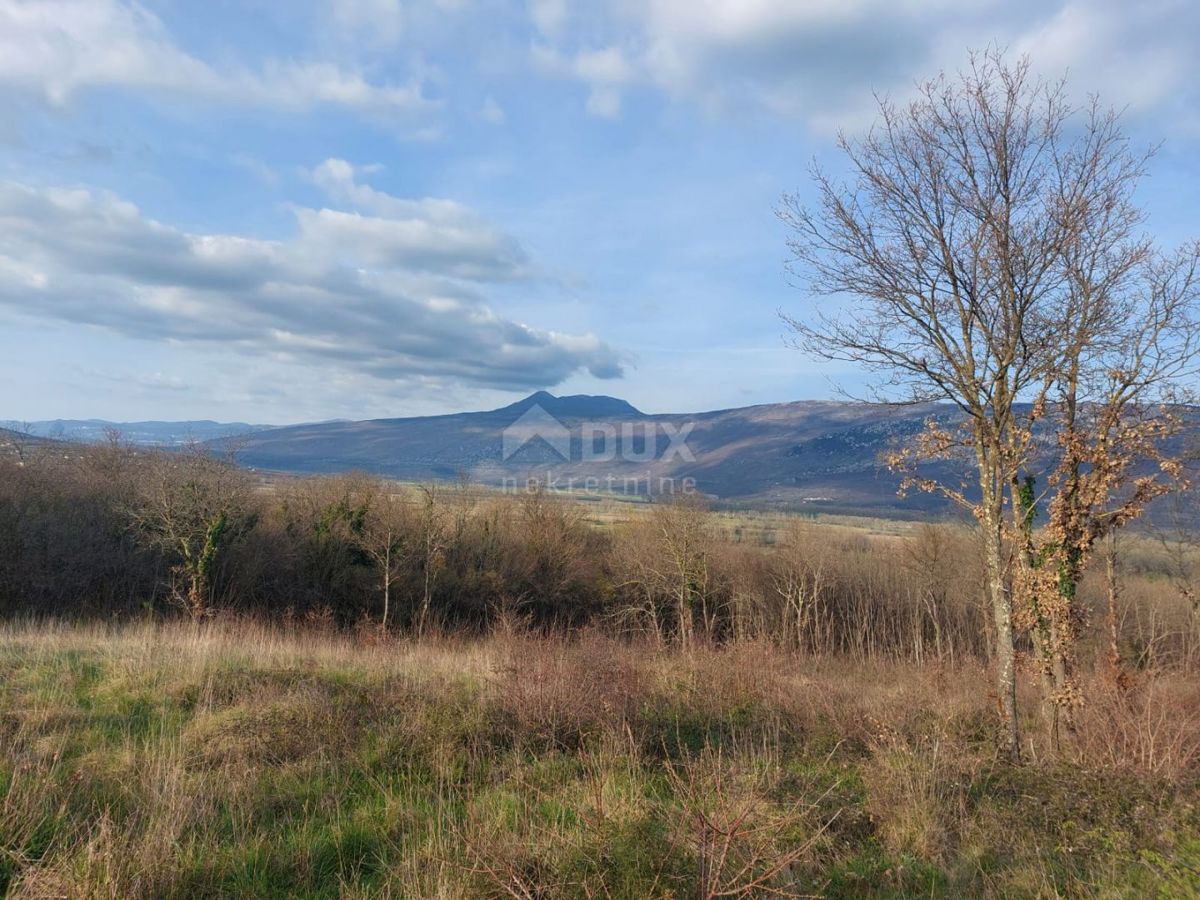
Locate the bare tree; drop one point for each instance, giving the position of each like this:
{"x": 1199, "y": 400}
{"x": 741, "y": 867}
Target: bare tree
{"x": 667, "y": 569}
{"x": 553, "y": 565}
{"x": 977, "y": 251}
{"x": 192, "y": 507}
{"x": 384, "y": 531}
{"x": 430, "y": 550}
{"x": 799, "y": 579}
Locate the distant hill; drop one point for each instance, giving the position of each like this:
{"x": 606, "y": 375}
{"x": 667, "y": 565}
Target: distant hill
{"x": 574, "y": 406}
{"x": 810, "y": 455}
{"x": 16, "y": 442}
{"x": 817, "y": 456}
{"x": 151, "y": 434}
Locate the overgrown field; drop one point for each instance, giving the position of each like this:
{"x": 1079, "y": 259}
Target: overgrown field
{"x": 235, "y": 759}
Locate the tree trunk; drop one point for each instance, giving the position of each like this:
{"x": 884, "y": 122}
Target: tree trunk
{"x": 1061, "y": 710}
{"x": 195, "y": 598}
{"x": 387, "y": 579}
{"x": 1114, "y": 596}
{"x": 425, "y": 595}
{"x": 1053, "y": 670}
{"x": 1005, "y": 659}
{"x": 685, "y": 619}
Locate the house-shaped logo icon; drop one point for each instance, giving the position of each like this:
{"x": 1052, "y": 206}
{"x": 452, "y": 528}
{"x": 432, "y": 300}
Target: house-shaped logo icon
{"x": 535, "y": 422}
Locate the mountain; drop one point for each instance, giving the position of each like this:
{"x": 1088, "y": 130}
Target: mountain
{"x": 809, "y": 455}
{"x": 575, "y": 406}
{"x": 155, "y": 434}
{"x": 817, "y": 456}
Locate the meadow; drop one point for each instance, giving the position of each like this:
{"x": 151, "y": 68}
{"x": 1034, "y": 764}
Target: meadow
{"x": 232, "y": 758}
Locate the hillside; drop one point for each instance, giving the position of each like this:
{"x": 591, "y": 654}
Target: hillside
{"x": 16, "y": 443}
{"x": 150, "y": 433}
{"x": 815, "y": 455}
{"x": 812, "y": 456}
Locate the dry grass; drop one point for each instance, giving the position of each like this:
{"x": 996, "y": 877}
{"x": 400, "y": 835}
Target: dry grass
{"x": 234, "y": 758}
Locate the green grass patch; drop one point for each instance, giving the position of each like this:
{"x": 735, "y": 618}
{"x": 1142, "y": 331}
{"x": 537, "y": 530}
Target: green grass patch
{"x": 131, "y": 770}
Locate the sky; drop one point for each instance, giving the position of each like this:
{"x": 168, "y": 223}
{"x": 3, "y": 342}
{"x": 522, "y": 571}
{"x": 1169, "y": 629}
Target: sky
{"x": 278, "y": 211}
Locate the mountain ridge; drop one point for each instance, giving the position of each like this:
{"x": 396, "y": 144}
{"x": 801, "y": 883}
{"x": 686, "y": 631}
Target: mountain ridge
{"x": 808, "y": 454}
{"x": 805, "y": 455}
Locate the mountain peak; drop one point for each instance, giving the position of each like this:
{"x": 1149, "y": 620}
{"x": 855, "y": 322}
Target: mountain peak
{"x": 574, "y": 406}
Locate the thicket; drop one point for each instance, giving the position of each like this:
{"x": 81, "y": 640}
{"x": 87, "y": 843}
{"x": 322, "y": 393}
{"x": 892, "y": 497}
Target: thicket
{"x": 114, "y": 531}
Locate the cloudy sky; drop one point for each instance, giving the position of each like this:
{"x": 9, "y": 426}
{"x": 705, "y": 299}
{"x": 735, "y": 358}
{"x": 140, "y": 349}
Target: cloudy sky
{"x": 281, "y": 211}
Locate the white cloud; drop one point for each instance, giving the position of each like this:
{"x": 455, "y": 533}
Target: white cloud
{"x": 394, "y": 296}
{"x": 461, "y": 248}
{"x": 549, "y": 16}
{"x": 605, "y": 66}
{"x": 428, "y": 234}
{"x": 820, "y": 60}
{"x": 605, "y": 69}
{"x": 57, "y": 48}
{"x": 1136, "y": 54}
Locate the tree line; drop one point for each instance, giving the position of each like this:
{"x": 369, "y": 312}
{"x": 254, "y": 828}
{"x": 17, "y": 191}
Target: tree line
{"x": 119, "y": 531}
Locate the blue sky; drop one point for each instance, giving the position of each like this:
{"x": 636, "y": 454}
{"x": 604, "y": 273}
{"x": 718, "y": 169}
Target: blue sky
{"x": 280, "y": 211}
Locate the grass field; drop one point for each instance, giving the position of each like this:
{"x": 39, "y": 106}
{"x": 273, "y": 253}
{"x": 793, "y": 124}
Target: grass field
{"x": 233, "y": 759}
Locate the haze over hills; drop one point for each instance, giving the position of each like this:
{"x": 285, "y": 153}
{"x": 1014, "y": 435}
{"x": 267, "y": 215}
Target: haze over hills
{"x": 815, "y": 455}
{"x": 151, "y": 433}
